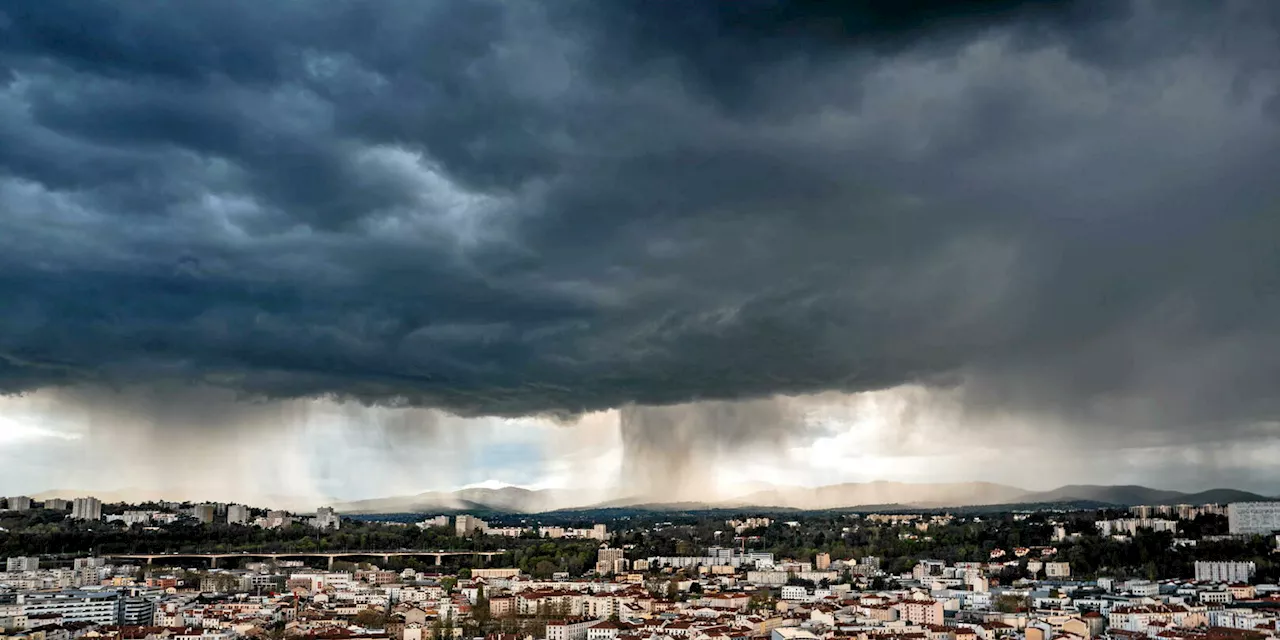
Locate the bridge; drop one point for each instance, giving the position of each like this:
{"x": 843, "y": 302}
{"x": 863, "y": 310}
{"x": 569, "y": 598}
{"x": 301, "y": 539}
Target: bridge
{"x": 386, "y": 556}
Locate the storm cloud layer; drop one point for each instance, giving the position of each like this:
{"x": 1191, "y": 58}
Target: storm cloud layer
{"x": 1063, "y": 209}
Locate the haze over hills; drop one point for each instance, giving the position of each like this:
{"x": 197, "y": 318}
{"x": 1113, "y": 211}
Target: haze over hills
{"x": 867, "y": 494}
{"x": 878, "y": 494}
{"x": 512, "y": 499}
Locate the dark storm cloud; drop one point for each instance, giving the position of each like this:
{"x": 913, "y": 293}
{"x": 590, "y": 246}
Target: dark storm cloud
{"x": 1065, "y": 208}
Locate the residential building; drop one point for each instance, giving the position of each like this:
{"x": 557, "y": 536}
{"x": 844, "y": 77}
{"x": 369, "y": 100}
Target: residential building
{"x": 277, "y": 520}
{"x": 466, "y": 525}
{"x": 572, "y": 629}
{"x": 920, "y": 611}
{"x": 130, "y": 518}
{"x": 327, "y": 518}
{"x": 1253, "y": 517}
{"x": 98, "y": 606}
{"x": 138, "y": 607}
{"x": 86, "y": 509}
{"x": 1057, "y": 570}
{"x": 237, "y": 514}
{"x": 1228, "y": 572}
{"x": 204, "y": 513}
{"x": 607, "y": 559}
{"x": 1139, "y": 617}
{"x": 794, "y": 592}
{"x": 19, "y": 503}
{"x": 1130, "y": 526}
{"x": 507, "y": 532}
{"x": 57, "y": 504}
{"x": 23, "y": 563}
{"x": 1142, "y": 510}
{"x": 89, "y": 563}
{"x": 822, "y": 561}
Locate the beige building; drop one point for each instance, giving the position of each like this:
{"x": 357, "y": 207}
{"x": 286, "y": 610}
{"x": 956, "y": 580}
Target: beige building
{"x": 1057, "y": 570}
{"x": 608, "y": 560}
{"x": 920, "y": 611}
{"x": 86, "y": 509}
{"x": 466, "y": 525}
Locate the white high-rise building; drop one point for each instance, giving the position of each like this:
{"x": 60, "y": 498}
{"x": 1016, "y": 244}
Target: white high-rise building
{"x": 23, "y": 563}
{"x": 19, "y": 503}
{"x": 204, "y": 513}
{"x": 89, "y": 563}
{"x": 327, "y": 518}
{"x": 277, "y": 520}
{"x": 237, "y": 514}
{"x": 1229, "y": 572}
{"x": 1253, "y": 517}
{"x": 131, "y": 518}
{"x": 57, "y": 504}
{"x": 101, "y": 607}
{"x": 607, "y": 559}
{"x": 466, "y": 525}
{"x": 86, "y": 509}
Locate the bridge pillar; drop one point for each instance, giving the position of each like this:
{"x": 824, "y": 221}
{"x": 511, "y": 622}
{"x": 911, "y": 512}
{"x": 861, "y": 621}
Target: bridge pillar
{"x": 213, "y": 562}
{"x": 386, "y": 559}
{"x": 331, "y": 563}
{"x": 439, "y": 559}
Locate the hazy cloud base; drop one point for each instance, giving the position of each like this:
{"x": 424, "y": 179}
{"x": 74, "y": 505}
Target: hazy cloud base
{"x": 1060, "y": 214}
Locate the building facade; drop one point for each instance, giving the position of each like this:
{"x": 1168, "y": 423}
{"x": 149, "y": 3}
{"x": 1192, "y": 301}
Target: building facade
{"x": 22, "y": 563}
{"x": 86, "y": 509}
{"x": 1244, "y": 518}
{"x": 101, "y": 607}
{"x": 237, "y": 514}
{"x": 1225, "y": 571}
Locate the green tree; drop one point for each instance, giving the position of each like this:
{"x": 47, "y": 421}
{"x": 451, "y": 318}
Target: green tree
{"x": 371, "y": 618}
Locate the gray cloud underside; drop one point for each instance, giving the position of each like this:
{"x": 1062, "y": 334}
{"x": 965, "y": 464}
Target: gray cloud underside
{"x": 511, "y": 208}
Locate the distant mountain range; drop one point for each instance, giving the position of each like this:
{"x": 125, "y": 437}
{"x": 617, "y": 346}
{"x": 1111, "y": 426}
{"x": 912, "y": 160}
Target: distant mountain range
{"x": 505, "y": 499}
{"x": 879, "y": 494}
{"x": 838, "y": 496}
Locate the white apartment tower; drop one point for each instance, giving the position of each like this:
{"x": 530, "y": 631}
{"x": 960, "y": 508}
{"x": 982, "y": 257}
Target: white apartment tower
{"x": 1253, "y": 517}
{"x": 86, "y": 509}
{"x": 22, "y": 563}
{"x": 607, "y": 560}
{"x": 466, "y": 525}
{"x": 327, "y": 518}
{"x": 57, "y": 504}
{"x": 1229, "y": 572}
{"x": 204, "y": 513}
{"x": 237, "y": 514}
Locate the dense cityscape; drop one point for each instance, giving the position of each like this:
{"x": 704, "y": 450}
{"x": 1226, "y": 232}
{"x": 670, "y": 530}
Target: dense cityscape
{"x": 214, "y": 571}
